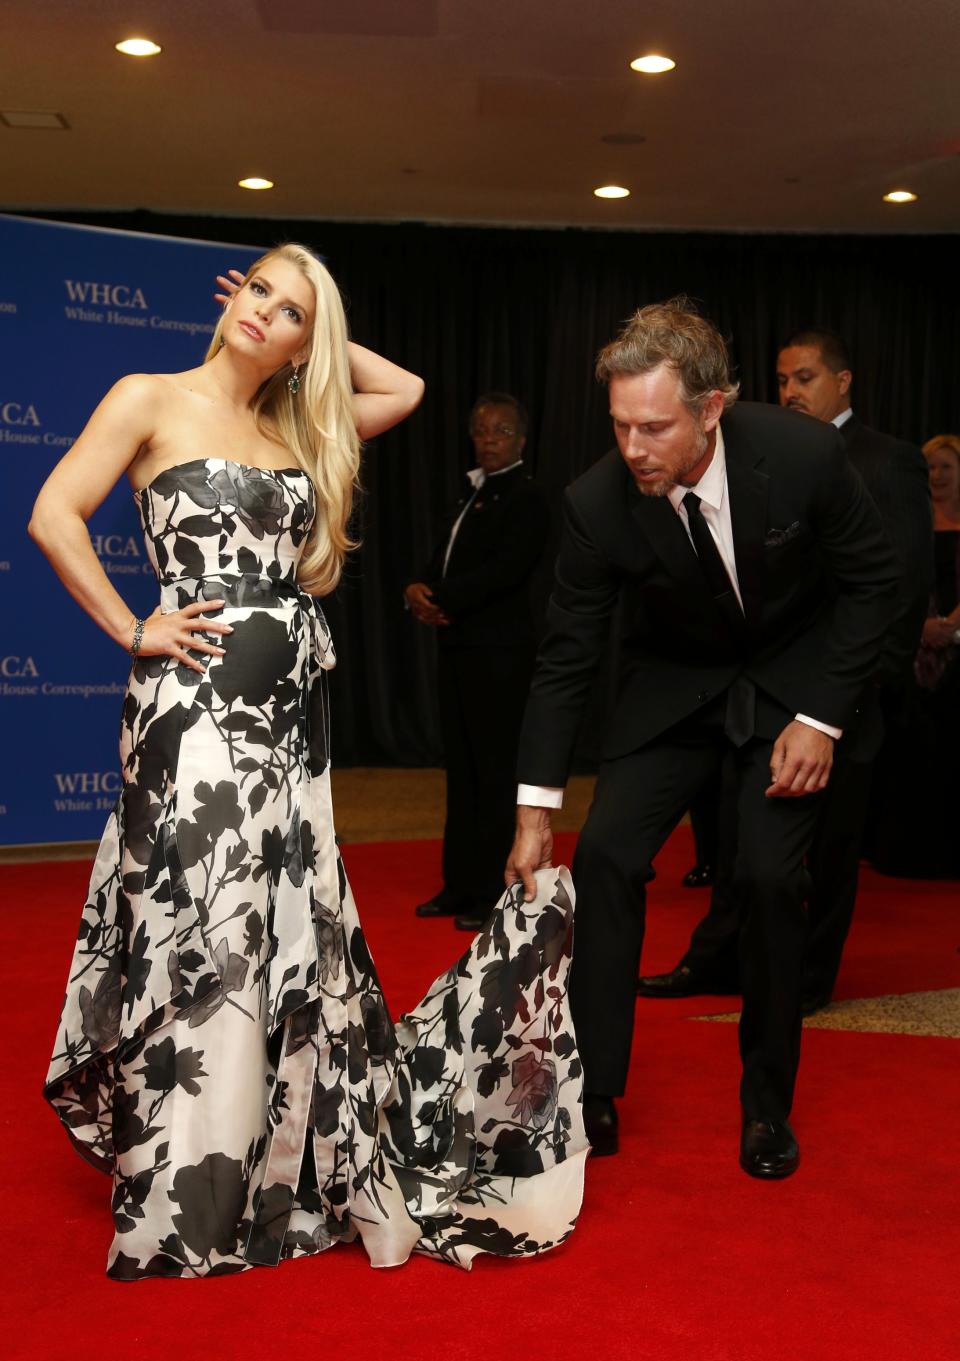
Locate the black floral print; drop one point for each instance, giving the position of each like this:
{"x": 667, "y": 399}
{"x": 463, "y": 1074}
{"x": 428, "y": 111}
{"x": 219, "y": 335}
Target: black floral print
{"x": 220, "y": 922}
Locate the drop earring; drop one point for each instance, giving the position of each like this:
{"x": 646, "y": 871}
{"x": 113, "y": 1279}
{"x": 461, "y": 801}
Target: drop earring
{"x": 293, "y": 382}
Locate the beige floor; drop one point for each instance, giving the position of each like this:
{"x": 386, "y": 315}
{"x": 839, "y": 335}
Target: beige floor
{"x": 370, "y": 804}
{"x": 407, "y": 805}
{"x": 909, "y": 1013}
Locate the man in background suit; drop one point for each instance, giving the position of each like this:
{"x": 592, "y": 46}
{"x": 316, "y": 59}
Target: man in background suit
{"x": 753, "y": 579}
{"x": 475, "y": 592}
{"x": 814, "y": 376}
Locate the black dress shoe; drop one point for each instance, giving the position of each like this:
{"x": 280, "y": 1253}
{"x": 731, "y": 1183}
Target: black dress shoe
{"x": 601, "y": 1123}
{"x": 701, "y": 876}
{"x": 681, "y": 982}
{"x": 474, "y": 920}
{"x": 768, "y": 1148}
{"x": 440, "y": 905}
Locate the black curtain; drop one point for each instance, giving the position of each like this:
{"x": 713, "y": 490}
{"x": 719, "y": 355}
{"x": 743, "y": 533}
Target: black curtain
{"x": 525, "y": 311}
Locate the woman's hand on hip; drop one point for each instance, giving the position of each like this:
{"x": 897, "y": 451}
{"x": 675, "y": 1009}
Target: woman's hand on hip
{"x": 172, "y": 634}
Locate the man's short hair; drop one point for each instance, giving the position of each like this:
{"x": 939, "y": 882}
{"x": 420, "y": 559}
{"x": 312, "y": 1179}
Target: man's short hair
{"x": 674, "y": 333}
{"x": 502, "y": 399}
{"x": 833, "y": 350}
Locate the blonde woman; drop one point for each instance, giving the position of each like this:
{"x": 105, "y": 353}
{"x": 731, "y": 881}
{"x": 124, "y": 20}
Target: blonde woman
{"x": 224, "y": 1052}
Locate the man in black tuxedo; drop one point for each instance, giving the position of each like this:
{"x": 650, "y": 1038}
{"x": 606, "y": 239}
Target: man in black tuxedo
{"x": 753, "y": 580}
{"x": 475, "y": 592}
{"x": 814, "y": 376}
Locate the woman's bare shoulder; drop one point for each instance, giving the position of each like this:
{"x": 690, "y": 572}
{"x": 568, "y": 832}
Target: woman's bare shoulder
{"x": 159, "y": 385}
{"x": 136, "y": 389}
{"x": 157, "y": 396}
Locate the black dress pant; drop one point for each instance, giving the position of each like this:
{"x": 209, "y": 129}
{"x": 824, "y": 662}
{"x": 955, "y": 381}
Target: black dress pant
{"x": 833, "y": 865}
{"x": 713, "y": 953}
{"x": 482, "y": 693}
{"x": 639, "y": 799}
{"x": 705, "y": 822}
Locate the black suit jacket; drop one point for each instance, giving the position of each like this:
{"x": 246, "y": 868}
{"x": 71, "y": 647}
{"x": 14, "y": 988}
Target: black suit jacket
{"x": 485, "y": 590}
{"x": 815, "y": 570}
{"x": 895, "y": 474}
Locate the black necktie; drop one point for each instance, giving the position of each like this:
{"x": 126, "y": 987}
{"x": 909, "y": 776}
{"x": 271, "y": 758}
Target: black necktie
{"x": 718, "y": 578}
{"x": 740, "y": 715}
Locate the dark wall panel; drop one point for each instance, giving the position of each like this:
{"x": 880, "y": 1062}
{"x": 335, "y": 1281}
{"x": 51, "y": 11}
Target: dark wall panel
{"x": 526, "y": 311}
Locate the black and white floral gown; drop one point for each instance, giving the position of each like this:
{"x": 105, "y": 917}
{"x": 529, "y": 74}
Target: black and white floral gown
{"x": 224, "y": 1050}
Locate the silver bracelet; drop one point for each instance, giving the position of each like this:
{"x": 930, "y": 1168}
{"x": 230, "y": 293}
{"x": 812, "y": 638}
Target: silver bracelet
{"x": 137, "y": 636}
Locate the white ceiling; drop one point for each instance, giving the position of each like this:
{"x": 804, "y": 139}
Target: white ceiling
{"x": 778, "y": 117}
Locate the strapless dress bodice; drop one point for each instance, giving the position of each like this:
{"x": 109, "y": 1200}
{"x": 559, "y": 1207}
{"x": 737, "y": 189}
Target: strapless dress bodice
{"x": 214, "y": 517}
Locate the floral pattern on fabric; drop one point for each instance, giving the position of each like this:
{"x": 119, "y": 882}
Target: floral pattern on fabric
{"x": 224, "y": 1050}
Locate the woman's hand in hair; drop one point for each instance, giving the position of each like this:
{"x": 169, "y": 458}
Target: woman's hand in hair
{"x": 230, "y": 283}
{"x": 384, "y": 393}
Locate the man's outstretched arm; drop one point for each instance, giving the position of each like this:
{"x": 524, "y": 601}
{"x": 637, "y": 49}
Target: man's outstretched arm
{"x": 532, "y": 849}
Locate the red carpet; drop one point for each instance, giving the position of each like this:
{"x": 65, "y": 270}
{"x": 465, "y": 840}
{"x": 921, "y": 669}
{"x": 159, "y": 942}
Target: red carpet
{"x": 678, "y": 1256}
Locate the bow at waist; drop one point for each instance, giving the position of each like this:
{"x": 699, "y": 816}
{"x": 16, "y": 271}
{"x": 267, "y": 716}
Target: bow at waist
{"x": 246, "y": 591}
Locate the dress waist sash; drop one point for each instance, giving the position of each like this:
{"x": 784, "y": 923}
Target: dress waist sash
{"x": 247, "y": 591}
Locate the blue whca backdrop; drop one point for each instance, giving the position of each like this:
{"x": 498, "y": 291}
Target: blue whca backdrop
{"x": 79, "y": 308}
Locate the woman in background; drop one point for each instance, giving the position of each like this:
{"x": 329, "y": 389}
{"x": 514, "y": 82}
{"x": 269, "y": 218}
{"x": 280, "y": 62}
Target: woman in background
{"x": 918, "y": 801}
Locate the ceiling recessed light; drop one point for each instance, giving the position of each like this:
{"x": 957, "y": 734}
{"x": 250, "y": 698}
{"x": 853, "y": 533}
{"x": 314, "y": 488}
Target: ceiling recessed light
{"x": 900, "y": 196}
{"x": 652, "y": 64}
{"x": 138, "y": 47}
{"x": 255, "y": 182}
{"x": 612, "y": 191}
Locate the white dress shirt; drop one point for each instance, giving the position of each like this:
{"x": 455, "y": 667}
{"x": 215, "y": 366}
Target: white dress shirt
{"x": 715, "y": 509}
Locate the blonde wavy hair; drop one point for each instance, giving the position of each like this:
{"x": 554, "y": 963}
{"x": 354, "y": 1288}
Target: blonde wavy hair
{"x": 316, "y": 424}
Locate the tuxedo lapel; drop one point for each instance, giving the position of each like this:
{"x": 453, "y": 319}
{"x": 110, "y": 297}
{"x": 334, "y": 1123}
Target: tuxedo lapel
{"x": 670, "y": 541}
{"x": 747, "y": 487}
{"x": 667, "y": 537}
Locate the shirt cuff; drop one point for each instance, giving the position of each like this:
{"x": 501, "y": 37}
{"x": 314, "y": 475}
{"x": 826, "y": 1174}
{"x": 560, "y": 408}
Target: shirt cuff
{"x": 835, "y": 733}
{"x": 540, "y": 796}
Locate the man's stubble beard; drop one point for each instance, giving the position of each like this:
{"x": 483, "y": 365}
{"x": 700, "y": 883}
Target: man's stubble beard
{"x": 664, "y": 488}
{"x": 656, "y": 489}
